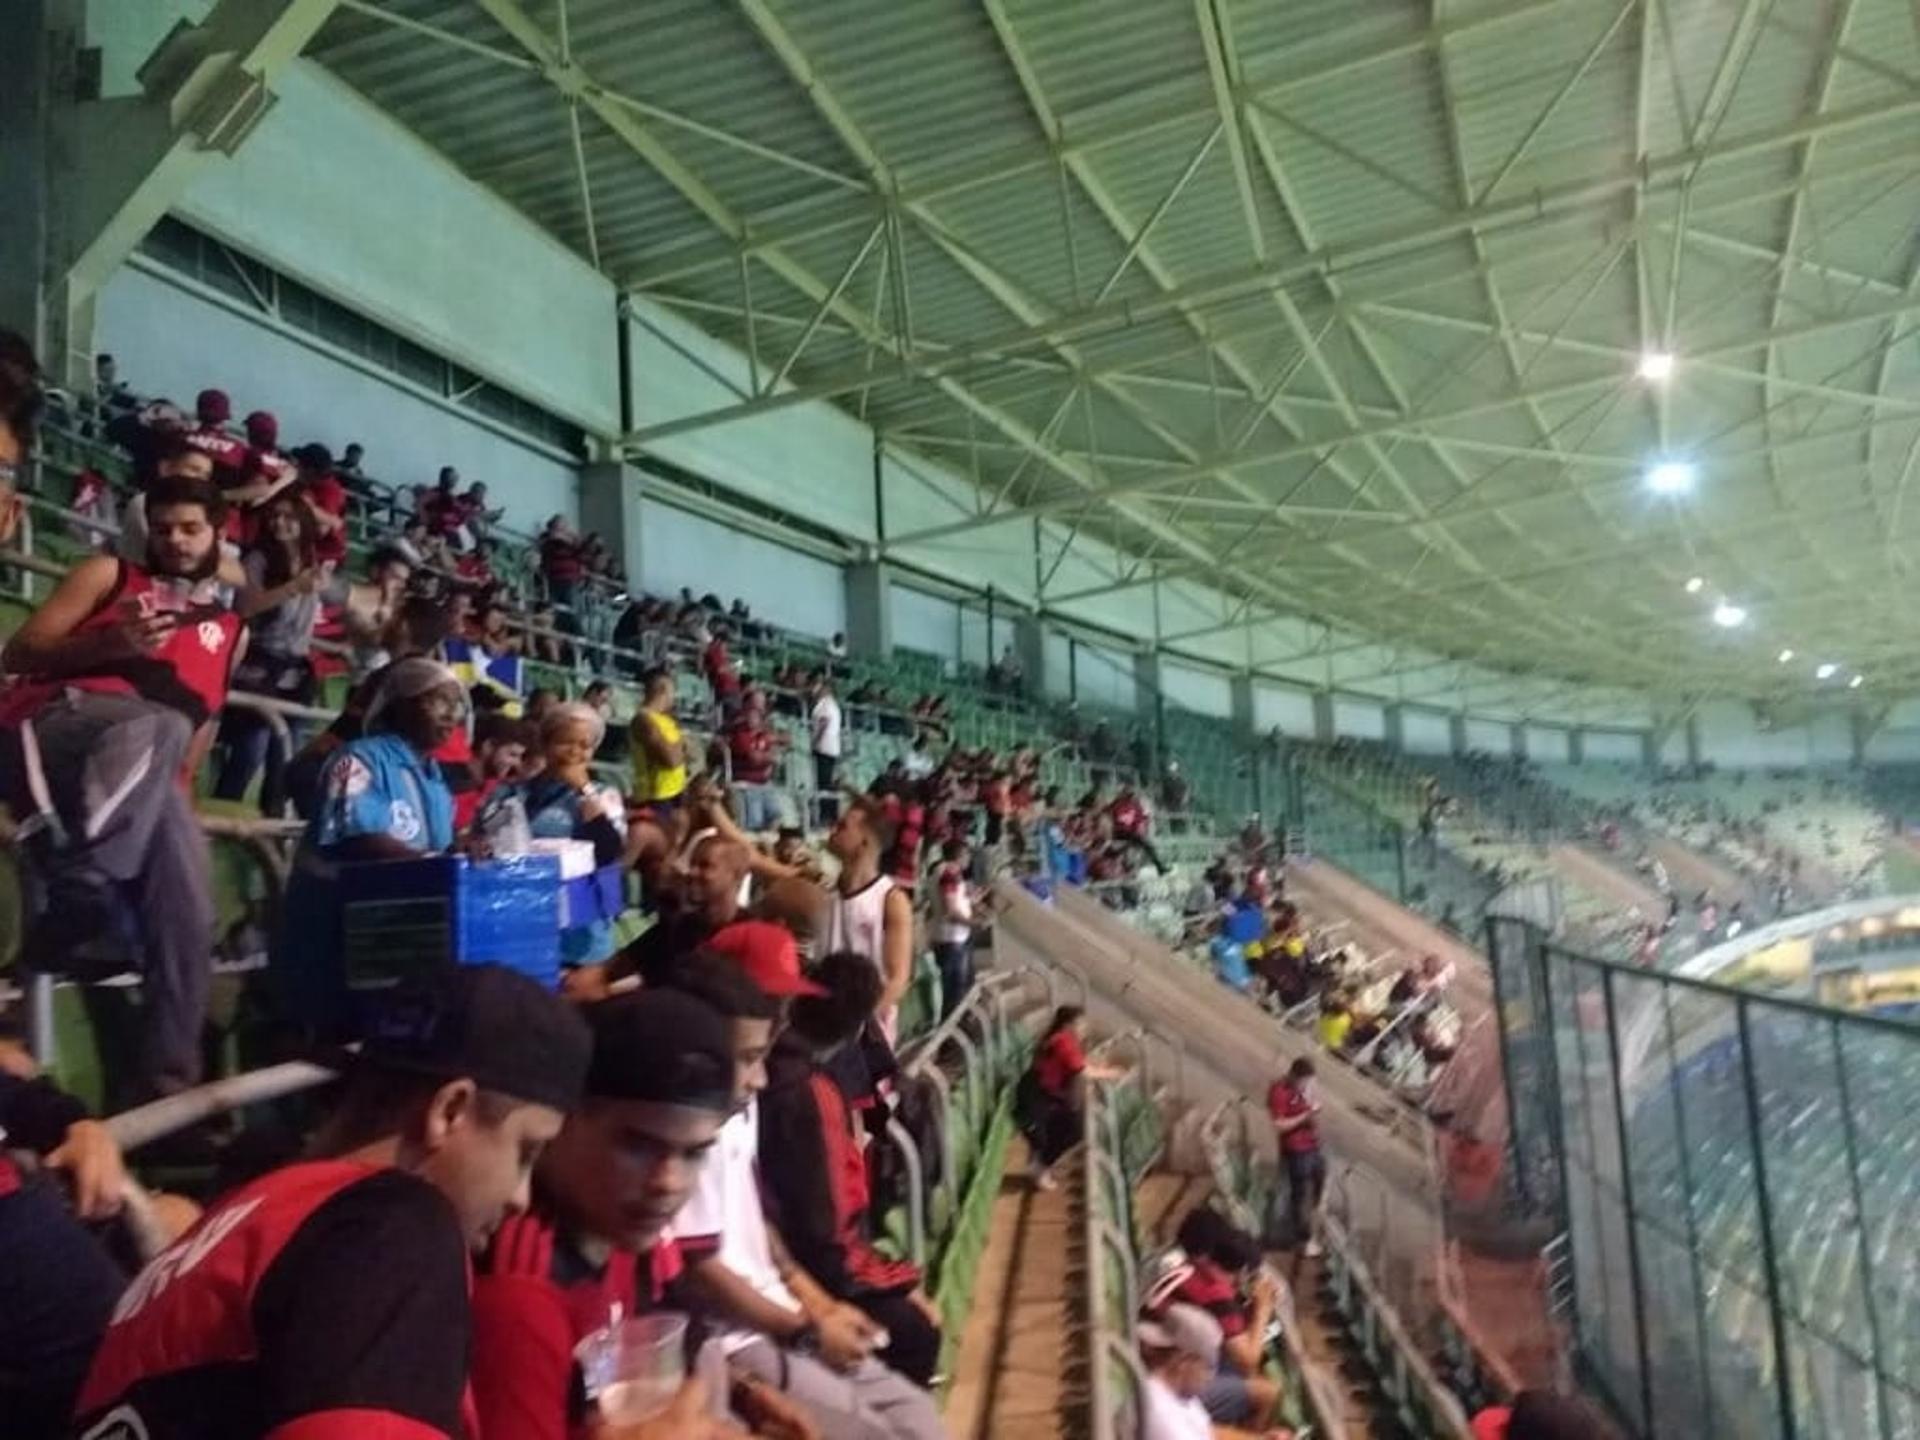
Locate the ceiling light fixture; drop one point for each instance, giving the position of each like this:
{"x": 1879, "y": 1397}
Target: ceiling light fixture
{"x": 1696, "y": 585}
{"x": 1670, "y": 477}
{"x": 1785, "y": 656}
{"x": 1826, "y": 671}
{"x": 1656, "y": 365}
{"x": 1727, "y": 615}
{"x": 1856, "y": 682}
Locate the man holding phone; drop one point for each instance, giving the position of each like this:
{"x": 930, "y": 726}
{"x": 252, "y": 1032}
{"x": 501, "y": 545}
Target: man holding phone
{"x": 120, "y": 674}
{"x": 1295, "y": 1109}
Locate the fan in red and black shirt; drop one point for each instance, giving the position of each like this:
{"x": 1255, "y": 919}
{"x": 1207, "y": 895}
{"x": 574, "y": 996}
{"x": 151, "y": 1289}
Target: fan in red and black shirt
{"x": 595, "y": 1245}
{"x": 212, "y": 411}
{"x": 815, "y": 1176}
{"x": 329, "y": 1300}
{"x": 1225, "y": 1277}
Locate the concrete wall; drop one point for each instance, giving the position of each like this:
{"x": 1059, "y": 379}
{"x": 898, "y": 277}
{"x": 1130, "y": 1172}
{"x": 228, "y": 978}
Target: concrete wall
{"x": 171, "y": 341}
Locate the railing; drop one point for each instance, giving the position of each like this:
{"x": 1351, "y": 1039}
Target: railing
{"x": 1420, "y": 1399}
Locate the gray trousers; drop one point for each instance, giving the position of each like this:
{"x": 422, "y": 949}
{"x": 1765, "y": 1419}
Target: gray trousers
{"x": 869, "y": 1402}
{"x": 126, "y": 835}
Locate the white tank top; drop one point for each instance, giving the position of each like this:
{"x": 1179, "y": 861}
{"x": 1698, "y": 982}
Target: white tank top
{"x": 858, "y": 923}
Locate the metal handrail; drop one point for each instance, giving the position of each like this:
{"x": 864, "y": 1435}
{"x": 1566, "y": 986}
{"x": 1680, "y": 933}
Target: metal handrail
{"x": 146, "y": 1123}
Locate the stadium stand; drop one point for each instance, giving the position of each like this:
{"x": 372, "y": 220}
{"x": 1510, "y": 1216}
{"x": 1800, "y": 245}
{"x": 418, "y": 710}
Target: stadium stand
{"x": 526, "y": 992}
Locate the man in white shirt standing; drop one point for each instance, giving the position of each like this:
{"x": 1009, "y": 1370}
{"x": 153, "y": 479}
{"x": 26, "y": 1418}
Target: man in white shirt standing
{"x": 824, "y": 726}
{"x": 953, "y": 926}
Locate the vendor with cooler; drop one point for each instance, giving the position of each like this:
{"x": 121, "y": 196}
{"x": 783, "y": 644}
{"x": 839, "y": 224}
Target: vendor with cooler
{"x": 380, "y": 797}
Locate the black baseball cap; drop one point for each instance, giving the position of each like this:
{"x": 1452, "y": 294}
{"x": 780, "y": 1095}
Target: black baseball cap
{"x": 661, "y": 1046}
{"x": 486, "y": 1024}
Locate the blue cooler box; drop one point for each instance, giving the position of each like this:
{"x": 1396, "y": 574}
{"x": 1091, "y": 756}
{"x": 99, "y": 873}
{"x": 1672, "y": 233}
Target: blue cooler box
{"x": 407, "y": 917}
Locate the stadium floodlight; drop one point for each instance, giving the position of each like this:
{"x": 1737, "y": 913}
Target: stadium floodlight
{"x": 1727, "y": 615}
{"x": 1826, "y": 671}
{"x": 1696, "y": 585}
{"x": 1785, "y": 656}
{"x": 1670, "y": 477}
{"x": 1656, "y": 365}
{"x": 1856, "y": 682}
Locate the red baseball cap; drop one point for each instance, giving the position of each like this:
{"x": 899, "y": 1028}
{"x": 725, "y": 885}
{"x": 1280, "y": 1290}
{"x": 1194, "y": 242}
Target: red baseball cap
{"x": 212, "y": 407}
{"x": 767, "y": 954}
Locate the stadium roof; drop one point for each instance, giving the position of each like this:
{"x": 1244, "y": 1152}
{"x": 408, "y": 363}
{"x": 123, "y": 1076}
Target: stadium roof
{"x": 1341, "y": 304}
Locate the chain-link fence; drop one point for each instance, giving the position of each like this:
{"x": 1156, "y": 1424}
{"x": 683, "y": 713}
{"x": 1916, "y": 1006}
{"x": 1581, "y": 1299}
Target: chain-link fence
{"x": 1738, "y": 1176}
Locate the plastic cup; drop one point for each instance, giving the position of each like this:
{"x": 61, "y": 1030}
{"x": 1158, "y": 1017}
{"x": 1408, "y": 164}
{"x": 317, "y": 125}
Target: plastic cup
{"x": 646, "y": 1364}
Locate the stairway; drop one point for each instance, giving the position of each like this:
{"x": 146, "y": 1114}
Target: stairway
{"x": 1012, "y": 1370}
{"x": 1325, "y": 1343}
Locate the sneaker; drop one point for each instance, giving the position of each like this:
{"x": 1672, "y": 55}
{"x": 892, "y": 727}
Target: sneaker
{"x": 1313, "y": 1251}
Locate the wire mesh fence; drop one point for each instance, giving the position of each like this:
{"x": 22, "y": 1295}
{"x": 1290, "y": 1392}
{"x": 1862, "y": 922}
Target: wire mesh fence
{"x": 1738, "y": 1177}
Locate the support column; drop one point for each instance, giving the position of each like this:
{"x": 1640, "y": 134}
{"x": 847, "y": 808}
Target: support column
{"x": 1323, "y": 730}
{"x": 1030, "y": 646}
{"x": 869, "y": 609}
{"x": 1244, "y": 723}
{"x": 1694, "y": 753}
{"x": 1650, "y": 749}
{"x": 1396, "y": 735}
{"x": 610, "y": 494}
{"x": 1577, "y": 746}
{"x": 26, "y": 107}
{"x": 1517, "y": 741}
{"x": 115, "y": 166}
{"x": 1457, "y": 734}
{"x": 1860, "y": 730}
{"x": 1146, "y": 680}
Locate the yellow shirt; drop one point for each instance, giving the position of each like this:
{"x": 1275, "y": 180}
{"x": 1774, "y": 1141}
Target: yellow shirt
{"x": 651, "y": 781}
{"x": 1334, "y": 1026}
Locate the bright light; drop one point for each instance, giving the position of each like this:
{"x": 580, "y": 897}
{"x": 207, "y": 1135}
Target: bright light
{"x": 1727, "y": 614}
{"x": 1656, "y": 365}
{"x": 1696, "y": 585}
{"x": 1826, "y": 671}
{"x": 1856, "y": 682}
{"x": 1785, "y": 656}
{"x": 1670, "y": 477}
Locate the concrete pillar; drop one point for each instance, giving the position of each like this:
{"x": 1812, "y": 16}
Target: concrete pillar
{"x": 1030, "y": 645}
{"x": 1244, "y": 723}
{"x": 869, "y": 609}
{"x": 1517, "y": 741}
{"x": 26, "y": 102}
{"x": 1396, "y": 735}
{"x": 1650, "y": 749}
{"x": 1323, "y": 729}
{"x": 610, "y": 493}
{"x": 109, "y": 168}
{"x": 1859, "y": 731}
{"x": 1146, "y": 681}
{"x": 1457, "y": 734}
{"x": 1694, "y": 753}
{"x": 1577, "y": 745}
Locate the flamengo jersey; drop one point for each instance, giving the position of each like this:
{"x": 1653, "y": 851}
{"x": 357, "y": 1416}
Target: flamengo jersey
{"x": 325, "y": 1301}
{"x": 189, "y": 673}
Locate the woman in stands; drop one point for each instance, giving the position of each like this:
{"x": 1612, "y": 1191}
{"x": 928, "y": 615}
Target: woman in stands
{"x": 565, "y": 802}
{"x": 281, "y": 604}
{"x": 1048, "y": 1104}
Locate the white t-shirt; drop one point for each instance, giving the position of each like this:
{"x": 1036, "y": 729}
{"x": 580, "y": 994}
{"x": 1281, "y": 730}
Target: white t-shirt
{"x": 954, "y": 923}
{"x": 726, "y": 1203}
{"x": 826, "y": 727}
{"x": 1165, "y": 1416}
